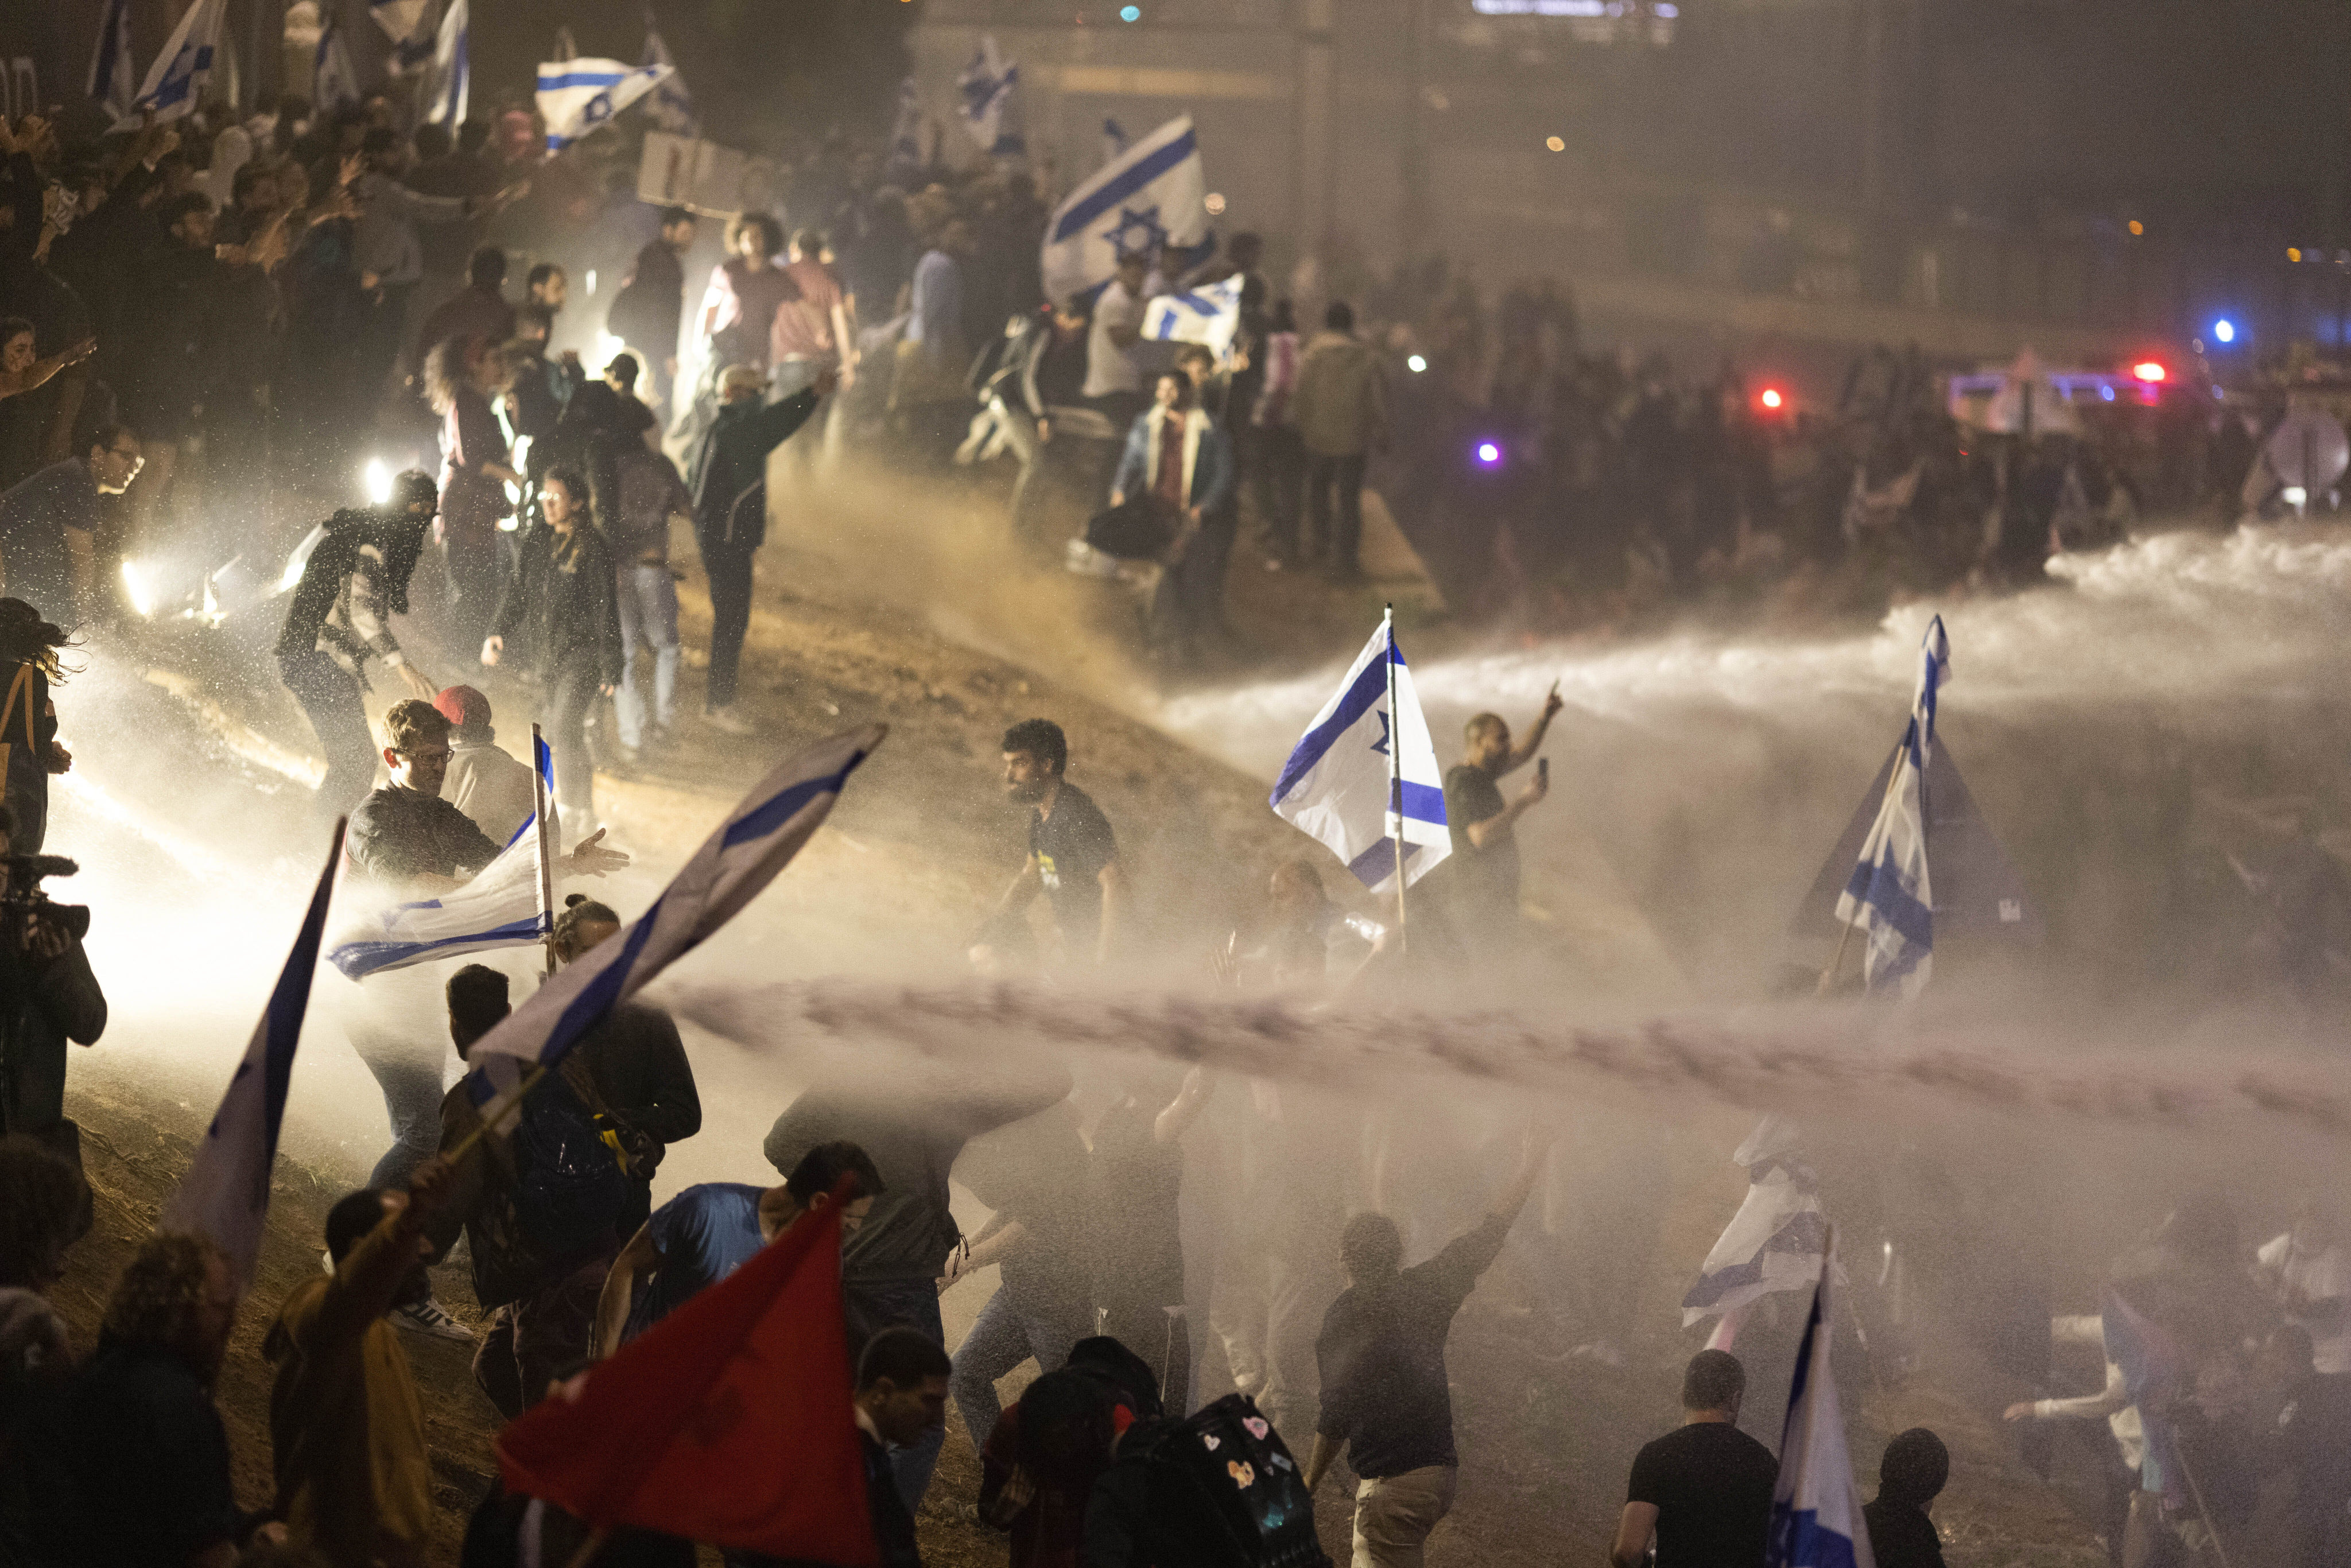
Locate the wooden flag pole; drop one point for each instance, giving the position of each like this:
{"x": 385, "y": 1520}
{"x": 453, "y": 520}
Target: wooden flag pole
{"x": 1396, "y": 782}
{"x": 539, "y": 802}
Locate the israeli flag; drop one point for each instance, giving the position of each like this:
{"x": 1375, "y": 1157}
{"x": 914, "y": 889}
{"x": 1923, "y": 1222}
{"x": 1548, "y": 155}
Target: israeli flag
{"x": 333, "y": 79}
{"x": 1114, "y": 140}
{"x": 1336, "y": 789}
{"x": 112, "y": 85}
{"x": 1888, "y": 895}
{"x": 499, "y": 908}
{"x": 409, "y": 25}
{"x": 1816, "y": 1511}
{"x": 577, "y": 96}
{"x": 1155, "y": 193}
{"x": 225, "y": 1193}
{"x": 673, "y": 106}
{"x": 177, "y": 80}
{"x": 754, "y": 843}
{"x": 448, "y": 89}
{"x": 1210, "y": 314}
{"x": 989, "y": 87}
{"x": 1779, "y": 1238}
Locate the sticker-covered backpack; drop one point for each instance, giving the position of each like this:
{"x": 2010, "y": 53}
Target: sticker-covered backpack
{"x": 1224, "y": 1484}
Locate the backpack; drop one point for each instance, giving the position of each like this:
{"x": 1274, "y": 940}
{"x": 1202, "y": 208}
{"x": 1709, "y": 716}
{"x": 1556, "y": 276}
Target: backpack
{"x": 1224, "y": 1493}
{"x": 572, "y": 1187}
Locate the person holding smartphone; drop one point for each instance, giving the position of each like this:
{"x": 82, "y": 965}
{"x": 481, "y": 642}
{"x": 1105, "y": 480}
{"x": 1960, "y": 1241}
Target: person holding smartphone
{"x": 1484, "y": 876}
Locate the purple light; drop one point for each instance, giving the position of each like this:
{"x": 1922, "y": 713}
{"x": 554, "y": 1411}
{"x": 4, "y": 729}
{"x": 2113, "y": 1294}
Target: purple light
{"x": 1488, "y": 452}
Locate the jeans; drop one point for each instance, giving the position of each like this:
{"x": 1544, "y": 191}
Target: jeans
{"x": 1008, "y": 1333}
{"x": 1277, "y": 481}
{"x": 470, "y": 562}
{"x": 1394, "y": 1514}
{"x": 1344, "y": 475}
{"x": 729, "y": 565}
{"x": 329, "y": 695}
{"x": 874, "y": 1305}
{"x": 572, "y": 695}
{"x": 398, "y": 1025}
{"x": 531, "y": 1340}
{"x": 648, "y": 597}
{"x": 1020, "y": 434}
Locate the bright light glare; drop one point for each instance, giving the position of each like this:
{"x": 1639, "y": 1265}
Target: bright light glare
{"x": 1556, "y": 143}
{"x": 2148, "y": 370}
{"x": 1772, "y": 398}
{"x": 379, "y": 481}
{"x": 1130, "y": 13}
{"x": 2294, "y": 494}
{"x": 142, "y": 601}
{"x": 1415, "y": 364}
{"x": 1488, "y": 452}
{"x": 2224, "y": 330}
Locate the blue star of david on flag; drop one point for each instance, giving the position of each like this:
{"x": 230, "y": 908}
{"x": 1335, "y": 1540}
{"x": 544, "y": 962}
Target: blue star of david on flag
{"x": 1131, "y": 223}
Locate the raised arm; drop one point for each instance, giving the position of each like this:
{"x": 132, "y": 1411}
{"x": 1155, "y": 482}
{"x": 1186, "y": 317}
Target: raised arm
{"x": 1531, "y": 742}
{"x": 1185, "y": 1108}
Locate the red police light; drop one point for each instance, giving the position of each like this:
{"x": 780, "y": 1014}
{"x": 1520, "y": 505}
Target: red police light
{"x": 1772, "y": 398}
{"x": 2148, "y": 370}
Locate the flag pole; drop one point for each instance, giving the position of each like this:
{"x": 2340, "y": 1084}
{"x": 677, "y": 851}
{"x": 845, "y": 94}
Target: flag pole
{"x": 1396, "y": 782}
{"x": 539, "y": 797}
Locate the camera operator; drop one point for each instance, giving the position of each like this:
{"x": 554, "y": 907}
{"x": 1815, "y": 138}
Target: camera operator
{"x": 48, "y": 996}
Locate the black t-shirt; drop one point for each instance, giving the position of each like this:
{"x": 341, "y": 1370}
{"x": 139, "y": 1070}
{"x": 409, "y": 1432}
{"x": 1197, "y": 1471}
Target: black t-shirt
{"x": 1071, "y": 846}
{"x": 1138, "y": 1182}
{"x": 1485, "y": 881}
{"x": 1901, "y": 1535}
{"x": 1382, "y": 1356}
{"x": 398, "y": 834}
{"x": 1711, "y": 1486}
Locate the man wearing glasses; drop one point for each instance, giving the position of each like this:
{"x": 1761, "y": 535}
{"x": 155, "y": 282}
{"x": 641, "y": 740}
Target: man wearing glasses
{"x": 49, "y": 523}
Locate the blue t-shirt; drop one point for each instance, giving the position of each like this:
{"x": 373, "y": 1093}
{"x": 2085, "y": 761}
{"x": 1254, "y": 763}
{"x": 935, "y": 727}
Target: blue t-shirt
{"x": 702, "y": 1235}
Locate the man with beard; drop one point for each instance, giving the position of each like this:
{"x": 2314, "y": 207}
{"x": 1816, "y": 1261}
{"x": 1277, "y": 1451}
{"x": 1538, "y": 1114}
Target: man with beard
{"x": 354, "y": 580}
{"x": 346, "y": 1425}
{"x": 1072, "y": 852}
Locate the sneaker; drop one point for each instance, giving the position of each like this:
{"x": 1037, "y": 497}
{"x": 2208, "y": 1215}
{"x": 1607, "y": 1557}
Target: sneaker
{"x": 726, "y": 721}
{"x": 430, "y": 1317}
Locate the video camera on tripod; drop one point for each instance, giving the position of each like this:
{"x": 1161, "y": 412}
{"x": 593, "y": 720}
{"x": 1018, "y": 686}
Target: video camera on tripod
{"x": 23, "y": 895}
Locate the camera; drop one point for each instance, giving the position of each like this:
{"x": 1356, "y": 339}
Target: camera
{"x": 23, "y": 895}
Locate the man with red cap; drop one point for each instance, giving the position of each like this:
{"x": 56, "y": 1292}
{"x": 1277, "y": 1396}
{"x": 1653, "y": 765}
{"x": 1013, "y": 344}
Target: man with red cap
{"x": 484, "y": 779}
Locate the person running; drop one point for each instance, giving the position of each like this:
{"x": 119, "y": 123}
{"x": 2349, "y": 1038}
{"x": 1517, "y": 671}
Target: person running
{"x": 1072, "y": 852}
{"x": 1703, "y": 1493}
{"x": 561, "y": 606}
{"x": 728, "y": 479}
{"x": 1381, "y": 1354}
{"x": 354, "y": 580}
{"x": 707, "y": 1232}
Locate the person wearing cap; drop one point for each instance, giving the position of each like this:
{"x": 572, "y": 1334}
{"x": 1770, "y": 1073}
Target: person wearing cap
{"x": 355, "y": 571}
{"x": 486, "y": 781}
{"x": 727, "y": 480}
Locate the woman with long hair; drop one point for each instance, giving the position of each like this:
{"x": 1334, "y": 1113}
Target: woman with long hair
{"x": 462, "y": 377}
{"x": 31, "y": 652}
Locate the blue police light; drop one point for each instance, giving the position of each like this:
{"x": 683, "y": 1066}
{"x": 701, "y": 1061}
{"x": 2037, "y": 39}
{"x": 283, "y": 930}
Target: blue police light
{"x": 1490, "y": 453}
{"x": 2224, "y": 330}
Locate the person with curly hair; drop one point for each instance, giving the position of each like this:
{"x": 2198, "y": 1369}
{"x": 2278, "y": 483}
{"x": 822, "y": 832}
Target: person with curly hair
{"x": 133, "y": 1468}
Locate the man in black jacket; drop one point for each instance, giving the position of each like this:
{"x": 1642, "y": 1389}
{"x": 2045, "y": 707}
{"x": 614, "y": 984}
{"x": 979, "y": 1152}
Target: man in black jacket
{"x": 354, "y": 580}
{"x": 652, "y": 302}
{"x": 728, "y": 482}
{"x": 562, "y": 604}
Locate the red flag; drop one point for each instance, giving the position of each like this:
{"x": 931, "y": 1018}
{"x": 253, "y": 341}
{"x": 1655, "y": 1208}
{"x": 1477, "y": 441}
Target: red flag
{"x": 729, "y": 1422}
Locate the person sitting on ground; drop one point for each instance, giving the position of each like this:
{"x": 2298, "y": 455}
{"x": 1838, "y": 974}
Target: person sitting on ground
{"x": 1484, "y": 877}
{"x": 488, "y": 783}
{"x": 133, "y": 1465}
{"x": 1703, "y": 1491}
{"x": 1072, "y": 852}
{"x": 707, "y": 1232}
{"x": 1909, "y": 1477}
{"x": 901, "y": 1400}
{"x": 637, "y": 1066}
{"x": 346, "y": 1425}
{"x": 1385, "y": 1396}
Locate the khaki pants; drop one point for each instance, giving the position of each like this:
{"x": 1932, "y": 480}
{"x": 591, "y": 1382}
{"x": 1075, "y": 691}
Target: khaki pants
{"x": 1394, "y": 1515}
